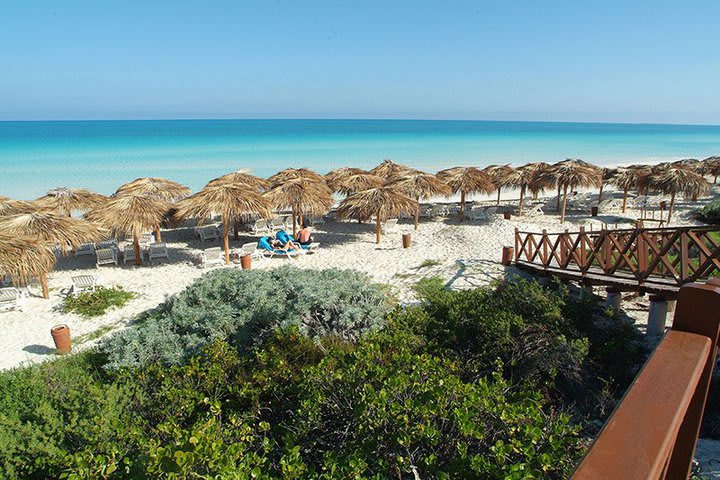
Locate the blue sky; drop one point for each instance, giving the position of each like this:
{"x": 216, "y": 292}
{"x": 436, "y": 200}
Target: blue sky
{"x": 640, "y": 61}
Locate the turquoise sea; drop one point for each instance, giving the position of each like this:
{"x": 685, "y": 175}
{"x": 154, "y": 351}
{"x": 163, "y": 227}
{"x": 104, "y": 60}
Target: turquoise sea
{"x": 100, "y": 155}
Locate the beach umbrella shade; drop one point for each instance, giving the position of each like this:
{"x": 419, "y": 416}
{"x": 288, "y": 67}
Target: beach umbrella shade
{"x": 66, "y": 233}
{"x": 388, "y": 169}
{"x": 302, "y": 196}
{"x": 711, "y": 166}
{"x": 499, "y": 175}
{"x": 606, "y": 177}
{"x": 520, "y": 178}
{"x": 24, "y": 258}
{"x": 383, "y": 202}
{"x": 8, "y": 206}
{"x": 65, "y": 200}
{"x": 334, "y": 176}
{"x": 232, "y": 201}
{"x": 157, "y": 188}
{"x": 627, "y": 179}
{"x": 572, "y": 173}
{"x": 350, "y": 184}
{"x": 466, "y": 180}
{"x": 130, "y": 214}
{"x": 538, "y": 183}
{"x": 294, "y": 173}
{"x": 675, "y": 179}
{"x": 420, "y": 186}
{"x": 242, "y": 178}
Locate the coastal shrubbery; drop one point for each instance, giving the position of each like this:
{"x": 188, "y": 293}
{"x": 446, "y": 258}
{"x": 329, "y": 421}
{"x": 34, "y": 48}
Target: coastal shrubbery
{"x": 709, "y": 213}
{"x": 487, "y": 383}
{"x": 98, "y": 301}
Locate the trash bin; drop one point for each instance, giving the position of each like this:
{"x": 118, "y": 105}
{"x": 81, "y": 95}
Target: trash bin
{"x": 245, "y": 262}
{"x": 508, "y": 253}
{"x": 406, "y": 240}
{"x": 594, "y": 211}
{"x": 507, "y": 215}
{"x": 61, "y": 337}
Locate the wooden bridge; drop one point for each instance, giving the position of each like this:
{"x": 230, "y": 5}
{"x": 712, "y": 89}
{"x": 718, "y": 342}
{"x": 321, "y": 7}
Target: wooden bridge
{"x": 653, "y": 260}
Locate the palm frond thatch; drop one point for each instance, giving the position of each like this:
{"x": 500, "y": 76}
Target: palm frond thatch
{"x": 158, "y": 188}
{"x": 302, "y": 196}
{"x": 24, "y": 258}
{"x": 630, "y": 178}
{"x": 572, "y": 173}
{"x": 499, "y": 175}
{"x": 8, "y": 206}
{"x": 357, "y": 182}
{"x": 540, "y": 181}
{"x": 679, "y": 179}
{"x": 242, "y": 178}
{"x": 294, "y": 173}
{"x": 466, "y": 180}
{"x": 66, "y": 200}
{"x": 334, "y": 176}
{"x": 382, "y": 202}
{"x": 520, "y": 178}
{"x": 712, "y": 167}
{"x": 66, "y": 232}
{"x": 421, "y": 186}
{"x": 388, "y": 169}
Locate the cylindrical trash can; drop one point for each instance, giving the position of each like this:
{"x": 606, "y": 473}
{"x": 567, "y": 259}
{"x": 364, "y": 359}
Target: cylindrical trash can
{"x": 507, "y": 215}
{"x": 61, "y": 337}
{"x": 406, "y": 240}
{"x": 508, "y": 253}
{"x": 245, "y": 262}
{"x": 594, "y": 211}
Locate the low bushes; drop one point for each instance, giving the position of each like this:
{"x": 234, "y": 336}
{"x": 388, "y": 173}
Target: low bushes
{"x": 97, "y": 302}
{"x": 710, "y": 213}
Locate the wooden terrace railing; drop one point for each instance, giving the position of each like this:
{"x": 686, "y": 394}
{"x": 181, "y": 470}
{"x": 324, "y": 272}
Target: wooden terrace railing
{"x": 653, "y": 432}
{"x": 668, "y": 256}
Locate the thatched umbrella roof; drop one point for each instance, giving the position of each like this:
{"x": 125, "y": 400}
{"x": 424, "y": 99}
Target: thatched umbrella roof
{"x": 711, "y": 166}
{"x": 675, "y": 179}
{"x": 465, "y": 180}
{"x": 242, "y": 177}
{"x": 499, "y": 175}
{"x": 232, "y": 201}
{"x": 66, "y": 232}
{"x": 25, "y": 257}
{"x": 65, "y": 200}
{"x": 8, "y": 206}
{"x": 350, "y": 184}
{"x": 520, "y": 178}
{"x": 572, "y": 173}
{"x": 539, "y": 183}
{"x": 421, "y": 186}
{"x": 302, "y": 196}
{"x": 388, "y": 169}
{"x": 158, "y": 188}
{"x": 629, "y": 178}
{"x": 293, "y": 173}
{"x": 338, "y": 174}
{"x": 383, "y": 202}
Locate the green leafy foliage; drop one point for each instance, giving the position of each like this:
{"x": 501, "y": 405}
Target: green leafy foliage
{"x": 709, "y": 213}
{"x": 242, "y": 306}
{"x": 98, "y": 301}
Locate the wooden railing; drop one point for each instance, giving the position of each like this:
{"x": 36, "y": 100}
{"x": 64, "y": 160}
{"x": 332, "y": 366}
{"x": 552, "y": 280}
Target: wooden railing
{"x": 653, "y": 432}
{"x": 676, "y": 255}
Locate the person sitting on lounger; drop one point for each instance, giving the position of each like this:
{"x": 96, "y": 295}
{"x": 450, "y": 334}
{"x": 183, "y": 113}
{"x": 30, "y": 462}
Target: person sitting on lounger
{"x": 278, "y": 245}
{"x": 304, "y": 236}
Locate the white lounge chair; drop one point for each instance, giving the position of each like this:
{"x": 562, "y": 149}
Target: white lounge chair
{"x": 113, "y": 243}
{"x": 317, "y": 219}
{"x": 314, "y": 247}
{"x": 287, "y": 222}
{"x": 11, "y": 299}
{"x": 129, "y": 253}
{"x": 478, "y": 213}
{"x": 533, "y": 211}
{"x": 252, "y": 250}
{"x": 85, "y": 249}
{"x": 260, "y": 226}
{"x": 106, "y": 256}
{"x": 212, "y": 256}
{"x": 610, "y": 205}
{"x": 276, "y": 224}
{"x": 158, "y": 251}
{"x": 390, "y": 225}
{"x": 208, "y": 232}
{"x": 146, "y": 239}
{"x": 83, "y": 283}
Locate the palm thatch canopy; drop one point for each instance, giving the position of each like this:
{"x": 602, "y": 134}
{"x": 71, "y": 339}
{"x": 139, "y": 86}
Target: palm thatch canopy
{"x": 606, "y": 176}
{"x": 130, "y": 214}
{"x": 711, "y": 166}
{"x": 421, "y": 186}
{"x": 466, "y": 180}
{"x": 302, "y": 196}
{"x": 629, "y": 178}
{"x": 350, "y": 184}
{"x": 674, "y": 179}
{"x": 388, "y": 169}
{"x": 292, "y": 174}
{"x": 65, "y": 200}
{"x": 66, "y": 232}
{"x": 8, "y": 206}
{"x": 499, "y": 175}
{"x": 242, "y": 178}
{"x": 24, "y": 258}
{"x": 521, "y": 178}
{"x": 158, "y": 188}
{"x": 233, "y": 202}
{"x": 538, "y": 182}
{"x": 572, "y": 173}
{"x": 338, "y": 174}
{"x": 382, "y": 202}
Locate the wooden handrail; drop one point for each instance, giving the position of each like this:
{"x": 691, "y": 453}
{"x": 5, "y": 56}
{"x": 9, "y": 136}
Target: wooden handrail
{"x": 653, "y": 431}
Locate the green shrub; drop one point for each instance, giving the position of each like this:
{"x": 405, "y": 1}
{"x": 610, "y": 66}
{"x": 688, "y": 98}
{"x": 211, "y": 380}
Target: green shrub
{"x": 97, "y": 302}
{"x": 242, "y": 306}
{"x": 710, "y": 213}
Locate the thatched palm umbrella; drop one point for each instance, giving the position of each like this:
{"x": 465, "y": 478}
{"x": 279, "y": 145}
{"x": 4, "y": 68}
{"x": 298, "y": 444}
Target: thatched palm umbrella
{"x": 157, "y": 188}
{"x": 302, "y": 196}
{"x": 233, "y": 202}
{"x": 466, "y": 180}
{"x": 356, "y": 183}
{"x": 712, "y": 167}
{"x": 242, "y": 177}
{"x": 520, "y": 178}
{"x": 65, "y": 200}
{"x": 334, "y": 176}
{"x": 537, "y": 183}
{"x": 499, "y": 175}
{"x": 573, "y": 173}
{"x": 383, "y": 202}
{"x": 8, "y": 206}
{"x": 292, "y": 174}
{"x": 52, "y": 229}
{"x": 388, "y": 169}
{"x": 676, "y": 179}
{"x": 421, "y": 186}
{"x": 628, "y": 178}
{"x": 130, "y": 214}
{"x": 25, "y": 257}
{"x": 606, "y": 177}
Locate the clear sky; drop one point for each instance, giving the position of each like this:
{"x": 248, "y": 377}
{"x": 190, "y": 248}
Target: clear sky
{"x": 626, "y": 61}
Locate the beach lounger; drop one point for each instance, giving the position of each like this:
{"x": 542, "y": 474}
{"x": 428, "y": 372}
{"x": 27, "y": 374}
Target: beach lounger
{"x": 208, "y": 232}
{"x": 129, "y": 253}
{"x": 533, "y": 211}
{"x": 85, "y": 249}
{"x": 146, "y": 239}
{"x": 105, "y": 256}
{"x": 269, "y": 252}
{"x": 610, "y": 205}
{"x": 478, "y": 213}
{"x": 260, "y": 226}
{"x": 158, "y": 251}
{"x": 212, "y": 256}
{"x": 113, "y": 243}
{"x": 276, "y": 224}
{"x": 252, "y": 250}
{"x": 11, "y": 299}
{"x": 287, "y": 222}
{"x": 389, "y": 226}
{"x": 317, "y": 219}
{"x": 83, "y": 283}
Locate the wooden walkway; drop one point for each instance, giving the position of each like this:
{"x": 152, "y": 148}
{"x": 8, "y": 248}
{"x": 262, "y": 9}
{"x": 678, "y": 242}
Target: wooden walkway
{"x": 653, "y": 260}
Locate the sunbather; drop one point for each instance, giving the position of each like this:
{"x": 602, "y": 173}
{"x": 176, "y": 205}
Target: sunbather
{"x": 304, "y": 236}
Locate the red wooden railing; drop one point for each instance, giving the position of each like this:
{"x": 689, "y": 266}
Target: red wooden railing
{"x": 653, "y": 432}
{"x": 676, "y": 255}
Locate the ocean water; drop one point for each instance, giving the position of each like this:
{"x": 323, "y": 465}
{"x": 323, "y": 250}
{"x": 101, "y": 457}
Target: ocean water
{"x": 101, "y": 155}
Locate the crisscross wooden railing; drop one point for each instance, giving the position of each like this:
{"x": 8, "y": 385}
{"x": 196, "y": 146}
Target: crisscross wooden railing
{"x": 671, "y": 256}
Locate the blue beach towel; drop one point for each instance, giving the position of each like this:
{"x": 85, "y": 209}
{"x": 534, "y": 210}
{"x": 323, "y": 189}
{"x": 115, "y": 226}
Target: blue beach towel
{"x": 264, "y": 244}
